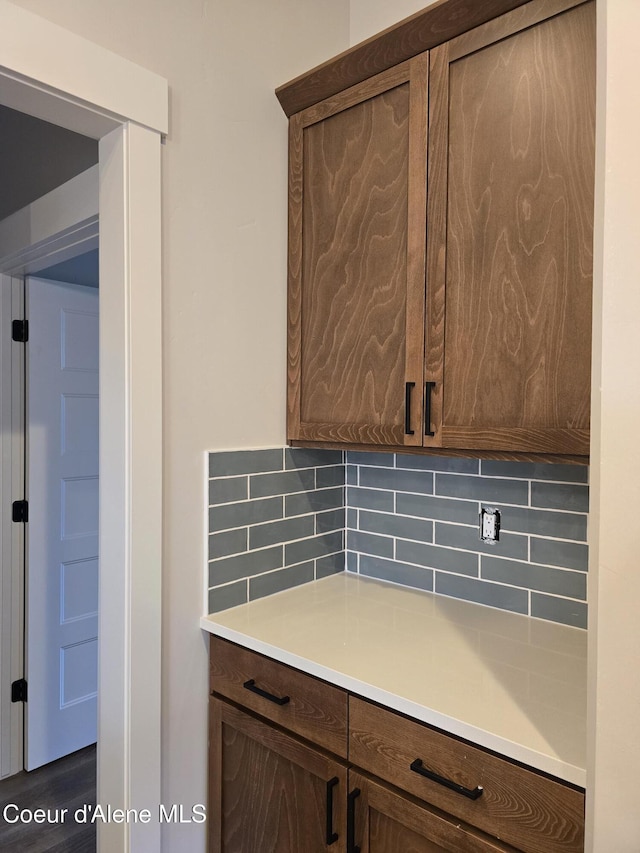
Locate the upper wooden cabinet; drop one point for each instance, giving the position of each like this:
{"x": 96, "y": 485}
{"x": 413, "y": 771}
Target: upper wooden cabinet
{"x": 440, "y": 245}
{"x": 356, "y": 254}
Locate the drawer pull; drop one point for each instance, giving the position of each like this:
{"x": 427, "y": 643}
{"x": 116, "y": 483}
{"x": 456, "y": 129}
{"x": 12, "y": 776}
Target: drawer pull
{"x": 352, "y": 847}
{"x": 407, "y": 408}
{"x": 428, "y": 388}
{"x": 418, "y": 767}
{"x": 331, "y": 835}
{"x": 278, "y": 700}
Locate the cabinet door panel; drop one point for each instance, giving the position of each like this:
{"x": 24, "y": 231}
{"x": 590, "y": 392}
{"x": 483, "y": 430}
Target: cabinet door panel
{"x": 510, "y": 265}
{"x": 356, "y": 274}
{"x": 386, "y": 822}
{"x": 268, "y": 791}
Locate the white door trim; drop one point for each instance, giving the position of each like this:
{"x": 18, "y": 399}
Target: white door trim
{"x": 53, "y": 62}
{"x": 56, "y": 75}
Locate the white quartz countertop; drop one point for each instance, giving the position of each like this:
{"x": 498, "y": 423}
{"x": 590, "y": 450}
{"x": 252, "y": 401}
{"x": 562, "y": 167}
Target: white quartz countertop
{"x": 507, "y": 682}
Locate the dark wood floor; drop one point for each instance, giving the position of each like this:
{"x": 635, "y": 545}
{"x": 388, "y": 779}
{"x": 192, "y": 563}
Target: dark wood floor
{"x": 65, "y": 784}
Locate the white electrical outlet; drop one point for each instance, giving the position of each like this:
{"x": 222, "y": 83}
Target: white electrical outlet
{"x": 489, "y": 524}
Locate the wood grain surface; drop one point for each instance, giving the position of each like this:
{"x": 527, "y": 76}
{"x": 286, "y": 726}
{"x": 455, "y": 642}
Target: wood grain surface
{"x": 356, "y": 269}
{"x": 520, "y": 807}
{"x": 354, "y": 262}
{"x": 267, "y": 789}
{"x": 387, "y": 822}
{"x": 434, "y": 25}
{"x": 316, "y": 710}
{"x": 515, "y": 114}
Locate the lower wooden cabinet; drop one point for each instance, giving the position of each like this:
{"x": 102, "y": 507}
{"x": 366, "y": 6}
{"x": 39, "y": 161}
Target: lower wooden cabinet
{"x": 387, "y": 783}
{"x": 269, "y": 792}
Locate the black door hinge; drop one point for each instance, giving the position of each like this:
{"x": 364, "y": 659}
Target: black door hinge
{"x": 19, "y": 690}
{"x": 20, "y": 331}
{"x": 20, "y": 511}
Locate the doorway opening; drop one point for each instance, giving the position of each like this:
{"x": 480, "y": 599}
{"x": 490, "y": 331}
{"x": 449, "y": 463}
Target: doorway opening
{"x": 76, "y": 84}
{"x": 51, "y": 619}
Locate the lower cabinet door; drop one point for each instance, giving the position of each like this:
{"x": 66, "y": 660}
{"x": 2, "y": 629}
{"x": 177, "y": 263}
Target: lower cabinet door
{"x": 270, "y": 793}
{"x": 381, "y": 820}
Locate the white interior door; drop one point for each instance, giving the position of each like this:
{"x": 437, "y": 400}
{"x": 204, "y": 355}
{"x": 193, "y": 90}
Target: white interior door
{"x": 62, "y": 531}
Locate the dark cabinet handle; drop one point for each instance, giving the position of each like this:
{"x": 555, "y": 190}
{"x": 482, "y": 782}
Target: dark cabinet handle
{"x": 331, "y": 835}
{"x": 278, "y": 700}
{"x": 407, "y": 407}
{"x": 352, "y": 847}
{"x": 418, "y": 767}
{"x": 428, "y": 388}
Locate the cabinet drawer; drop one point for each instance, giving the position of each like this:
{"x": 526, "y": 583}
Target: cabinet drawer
{"x": 532, "y": 812}
{"x": 301, "y": 703}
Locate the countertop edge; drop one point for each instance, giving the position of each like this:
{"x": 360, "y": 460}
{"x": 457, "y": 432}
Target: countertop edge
{"x": 515, "y": 751}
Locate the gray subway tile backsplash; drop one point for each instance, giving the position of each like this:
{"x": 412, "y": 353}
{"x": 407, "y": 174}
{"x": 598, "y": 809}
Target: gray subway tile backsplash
{"x": 560, "y": 496}
{"x": 302, "y": 457}
{"x": 228, "y": 542}
{"x": 396, "y": 572}
{"x": 410, "y": 519}
{"x": 359, "y": 457}
{"x": 541, "y": 578}
{"x": 228, "y": 489}
{"x": 229, "y": 462}
{"x": 435, "y": 557}
{"x": 316, "y": 500}
{"x": 223, "y": 597}
{"x": 395, "y": 525}
{"x": 570, "y": 555}
{"x": 405, "y": 481}
{"x": 438, "y": 463}
{"x": 535, "y": 471}
{"x": 369, "y": 543}
{"x": 559, "y": 609}
{"x": 332, "y": 519}
{"x": 483, "y": 592}
{"x": 483, "y": 489}
{"x": 316, "y": 546}
{"x": 272, "y": 582}
{"x": 285, "y": 483}
{"x": 559, "y": 525}
{"x": 438, "y": 509}
{"x": 245, "y": 565}
{"x": 331, "y": 476}
{"x": 228, "y": 516}
{"x": 285, "y": 528}
{"x": 465, "y": 537}
{"x": 330, "y": 565}
{"x": 369, "y": 499}
{"x": 262, "y": 535}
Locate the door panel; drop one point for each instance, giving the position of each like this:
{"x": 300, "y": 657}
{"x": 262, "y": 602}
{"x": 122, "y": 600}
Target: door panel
{"x": 511, "y": 233}
{"x": 356, "y": 275}
{"x": 268, "y": 790}
{"x": 388, "y": 822}
{"x": 62, "y": 532}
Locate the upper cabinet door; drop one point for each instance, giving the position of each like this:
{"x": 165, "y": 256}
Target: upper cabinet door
{"x": 357, "y": 204}
{"x": 510, "y": 232}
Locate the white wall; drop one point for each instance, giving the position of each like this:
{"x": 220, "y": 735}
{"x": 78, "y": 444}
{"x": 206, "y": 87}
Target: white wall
{"x": 224, "y": 212}
{"x": 613, "y": 818}
{"x": 368, "y": 17}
